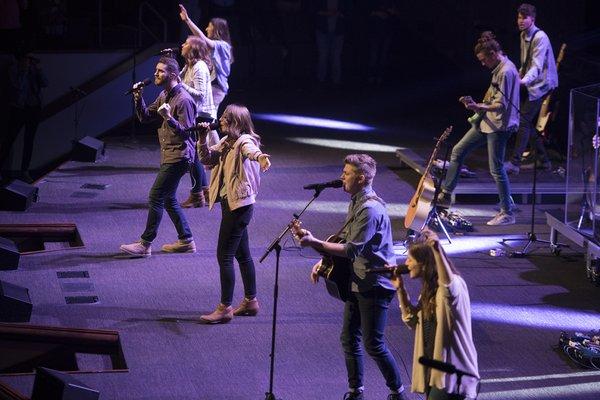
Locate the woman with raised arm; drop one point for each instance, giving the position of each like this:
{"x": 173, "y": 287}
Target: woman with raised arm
{"x": 218, "y": 40}
{"x": 195, "y": 79}
{"x": 441, "y": 319}
{"x": 236, "y": 163}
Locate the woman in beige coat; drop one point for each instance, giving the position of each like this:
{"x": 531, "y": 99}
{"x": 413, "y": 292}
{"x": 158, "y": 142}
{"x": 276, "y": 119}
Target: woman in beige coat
{"x": 441, "y": 319}
{"x": 236, "y": 162}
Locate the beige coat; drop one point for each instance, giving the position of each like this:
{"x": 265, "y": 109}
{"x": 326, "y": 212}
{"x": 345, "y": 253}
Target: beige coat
{"x": 241, "y": 170}
{"x": 453, "y": 339}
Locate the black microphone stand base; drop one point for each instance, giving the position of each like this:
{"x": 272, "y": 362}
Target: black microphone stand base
{"x": 531, "y": 238}
{"x": 270, "y": 396}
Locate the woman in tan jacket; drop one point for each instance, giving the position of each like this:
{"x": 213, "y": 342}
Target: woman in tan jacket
{"x": 441, "y": 320}
{"x": 236, "y": 162}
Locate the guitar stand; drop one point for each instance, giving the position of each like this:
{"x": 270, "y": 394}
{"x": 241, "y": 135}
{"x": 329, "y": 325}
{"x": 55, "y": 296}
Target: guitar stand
{"x": 277, "y": 247}
{"x": 435, "y": 216}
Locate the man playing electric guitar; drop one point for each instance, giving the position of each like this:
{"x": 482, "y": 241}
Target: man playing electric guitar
{"x": 368, "y": 244}
{"x": 499, "y": 119}
{"x": 539, "y": 77}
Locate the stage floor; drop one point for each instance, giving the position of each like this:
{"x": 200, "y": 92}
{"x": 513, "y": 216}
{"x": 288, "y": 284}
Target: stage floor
{"x": 520, "y": 306}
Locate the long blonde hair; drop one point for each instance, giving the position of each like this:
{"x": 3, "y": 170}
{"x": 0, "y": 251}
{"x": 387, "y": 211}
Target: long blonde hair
{"x": 199, "y": 50}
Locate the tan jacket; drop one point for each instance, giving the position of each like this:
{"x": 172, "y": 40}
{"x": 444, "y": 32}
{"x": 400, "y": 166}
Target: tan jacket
{"x": 241, "y": 170}
{"x": 453, "y": 339}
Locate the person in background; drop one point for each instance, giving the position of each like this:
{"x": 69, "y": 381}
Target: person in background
{"x": 195, "y": 79}
{"x": 539, "y": 77}
{"x": 498, "y": 119}
{"x": 24, "y": 97}
{"x": 236, "y": 163}
{"x": 441, "y": 319}
{"x": 177, "y": 110}
{"x": 218, "y": 40}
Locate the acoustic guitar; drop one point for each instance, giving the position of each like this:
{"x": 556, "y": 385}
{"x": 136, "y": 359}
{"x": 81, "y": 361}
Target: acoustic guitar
{"x": 336, "y": 271}
{"x": 546, "y": 111}
{"x": 420, "y": 204}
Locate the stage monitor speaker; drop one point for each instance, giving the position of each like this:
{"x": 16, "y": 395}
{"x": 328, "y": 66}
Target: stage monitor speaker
{"x": 88, "y": 149}
{"x": 15, "y": 304}
{"x": 50, "y": 384}
{"x": 17, "y": 196}
{"x": 9, "y": 254}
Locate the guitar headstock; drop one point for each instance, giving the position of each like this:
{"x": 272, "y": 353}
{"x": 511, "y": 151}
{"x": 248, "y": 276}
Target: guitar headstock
{"x": 466, "y": 100}
{"x": 445, "y": 134}
{"x": 296, "y": 227}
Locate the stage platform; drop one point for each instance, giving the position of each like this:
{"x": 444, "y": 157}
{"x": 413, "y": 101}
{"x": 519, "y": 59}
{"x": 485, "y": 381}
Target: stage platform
{"x": 480, "y": 188}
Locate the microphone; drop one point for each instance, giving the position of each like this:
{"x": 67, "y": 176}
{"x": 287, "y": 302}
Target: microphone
{"x": 320, "y": 186}
{"x": 141, "y": 84}
{"x": 169, "y": 51}
{"x": 444, "y": 367}
{"x": 212, "y": 127}
{"x": 397, "y": 270}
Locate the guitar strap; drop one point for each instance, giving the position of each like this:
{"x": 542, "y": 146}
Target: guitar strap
{"x": 528, "y": 58}
{"x": 367, "y": 198}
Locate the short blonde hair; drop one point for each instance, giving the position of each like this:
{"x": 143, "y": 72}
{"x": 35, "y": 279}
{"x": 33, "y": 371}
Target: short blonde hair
{"x": 364, "y": 163}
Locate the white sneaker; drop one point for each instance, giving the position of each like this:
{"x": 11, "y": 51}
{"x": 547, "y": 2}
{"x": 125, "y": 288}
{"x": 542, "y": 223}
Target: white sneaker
{"x": 502, "y": 218}
{"x": 137, "y": 249}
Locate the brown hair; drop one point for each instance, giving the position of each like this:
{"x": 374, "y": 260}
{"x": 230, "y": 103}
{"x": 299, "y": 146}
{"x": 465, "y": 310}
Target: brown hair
{"x": 364, "y": 163}
{"x": 239, "y": 122}
{"x": 527, "y": 10}
{"x": 199, "y": 51}
{"x": 221, "y": 32}
{"x": 423, "y": 254}
{"x": 171, "y": 65}
{"x": 487, "y": 43}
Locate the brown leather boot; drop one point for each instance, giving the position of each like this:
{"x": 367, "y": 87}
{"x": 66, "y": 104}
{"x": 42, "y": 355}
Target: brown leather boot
{"x": 222, "y": 315}
{"x": 195, "y": 200}
{"x": 206, "y": 193}
{"x": 247, "y": 307}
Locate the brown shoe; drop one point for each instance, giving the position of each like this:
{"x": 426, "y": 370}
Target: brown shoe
{"x": 180, "y": 246}
{"x": 222, "y": 315}
{"x": 206, "y": 193}
{"x": 195, "y": 200}
{"x": 247, "y": 307}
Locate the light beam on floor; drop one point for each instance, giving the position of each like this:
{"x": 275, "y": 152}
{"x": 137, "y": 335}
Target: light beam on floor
{"x": 346, "y": 145}
{"x": 312, "y": 121}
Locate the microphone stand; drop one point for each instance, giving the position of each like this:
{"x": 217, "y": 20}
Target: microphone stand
{"x": 277, "y": 247}
{"x": 531, "y": 235}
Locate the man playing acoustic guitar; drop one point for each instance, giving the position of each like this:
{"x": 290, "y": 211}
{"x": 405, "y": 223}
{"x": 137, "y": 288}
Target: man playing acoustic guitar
{"x": 368, "y": 244}
{"x": 499, "y": 119}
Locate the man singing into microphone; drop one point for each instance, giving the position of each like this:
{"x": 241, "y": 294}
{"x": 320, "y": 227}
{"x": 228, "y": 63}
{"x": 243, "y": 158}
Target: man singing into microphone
{"x": 499, "y": 119}
{"x": 177, "y": 110}
{"x": 368, "y": 244}
{"x": 441, "y": 320}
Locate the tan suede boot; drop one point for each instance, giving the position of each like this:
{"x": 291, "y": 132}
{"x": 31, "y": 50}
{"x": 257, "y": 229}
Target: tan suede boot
{"x": 247, "y": 307}
{"x": 195, "y": 200}
{"x": 206, "y": 193}
{"x": 222, "y": 315}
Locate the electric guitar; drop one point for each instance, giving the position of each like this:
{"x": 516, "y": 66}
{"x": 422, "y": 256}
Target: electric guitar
{"x": 336, "y": 271}
{"x": 546, "y": 111}
{"x": 474, "y": 119}
{"x": 420, "y": 204}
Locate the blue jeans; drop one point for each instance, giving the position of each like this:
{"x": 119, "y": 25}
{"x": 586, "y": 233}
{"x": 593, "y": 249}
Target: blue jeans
{"x": 527, "y": 134}
{"x": 496, "y": 146}
{"x": 365, "y": 316}
{"x": 162, "y": 197}
{"x": 233, "y": 242}
{"x": 198, "y": 176}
